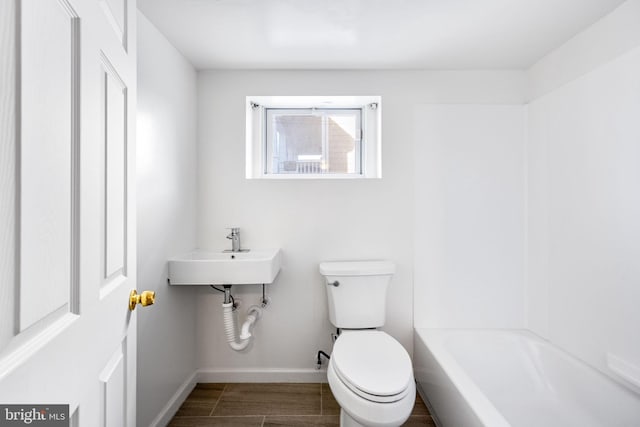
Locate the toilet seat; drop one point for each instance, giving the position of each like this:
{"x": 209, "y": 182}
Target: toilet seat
{"x": 373, "y": 365}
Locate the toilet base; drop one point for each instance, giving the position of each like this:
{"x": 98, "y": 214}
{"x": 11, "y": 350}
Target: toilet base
{"x": 347, "y": 421}
{"x": 368, "y": 413}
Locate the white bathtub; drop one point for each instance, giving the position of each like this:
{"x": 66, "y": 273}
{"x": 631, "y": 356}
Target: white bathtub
{"x": 500, "y": 378}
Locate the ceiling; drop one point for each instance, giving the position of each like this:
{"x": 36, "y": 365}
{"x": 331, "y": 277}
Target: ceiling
{"x": 370, "y": 34}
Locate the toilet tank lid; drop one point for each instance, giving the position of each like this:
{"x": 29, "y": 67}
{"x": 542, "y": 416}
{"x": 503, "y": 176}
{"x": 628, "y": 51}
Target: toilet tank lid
{"x": 357, "y": 268}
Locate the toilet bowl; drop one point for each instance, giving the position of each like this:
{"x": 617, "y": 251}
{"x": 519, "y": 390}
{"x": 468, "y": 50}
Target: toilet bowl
{"x": 371, "y": 377}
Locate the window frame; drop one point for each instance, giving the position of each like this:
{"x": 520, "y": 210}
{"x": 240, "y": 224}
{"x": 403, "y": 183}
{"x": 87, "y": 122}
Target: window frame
{"x": 257, "y": 152}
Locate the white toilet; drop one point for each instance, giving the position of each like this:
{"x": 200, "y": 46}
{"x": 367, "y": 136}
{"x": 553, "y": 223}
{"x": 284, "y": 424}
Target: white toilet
{"x": 370, "y": 373}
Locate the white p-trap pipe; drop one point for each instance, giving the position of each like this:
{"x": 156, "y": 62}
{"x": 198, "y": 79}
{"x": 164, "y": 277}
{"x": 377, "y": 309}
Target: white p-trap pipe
{"x": 253, "y": 314}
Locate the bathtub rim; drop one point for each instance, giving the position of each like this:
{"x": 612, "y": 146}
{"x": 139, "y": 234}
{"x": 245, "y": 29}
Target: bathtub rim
{"x": 475, "y": 399}
{"x": 434, "y": 340}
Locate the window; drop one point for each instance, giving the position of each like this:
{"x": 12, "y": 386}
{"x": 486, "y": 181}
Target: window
{"x": 313, "y": 137}
{"x": 313, "y": 141}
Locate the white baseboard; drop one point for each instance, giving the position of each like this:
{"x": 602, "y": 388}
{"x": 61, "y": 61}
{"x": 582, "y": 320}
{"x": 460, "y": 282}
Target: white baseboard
{"x": 166, "y": 414}
{"x": 266, "y": 375}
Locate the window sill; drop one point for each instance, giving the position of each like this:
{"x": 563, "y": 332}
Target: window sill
{"x": 293, "y": 177}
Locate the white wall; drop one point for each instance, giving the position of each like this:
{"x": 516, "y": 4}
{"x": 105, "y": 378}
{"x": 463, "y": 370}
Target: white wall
{"x": 613, "y": 35}
{"x": 584, "y": 200}
{"x": 469, "y": 216}
{"x": 166, "y": 161}
{"x": 314, "y": 220}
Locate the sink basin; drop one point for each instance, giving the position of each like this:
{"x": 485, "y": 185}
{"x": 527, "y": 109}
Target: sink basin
{"x": 225, "y": 268}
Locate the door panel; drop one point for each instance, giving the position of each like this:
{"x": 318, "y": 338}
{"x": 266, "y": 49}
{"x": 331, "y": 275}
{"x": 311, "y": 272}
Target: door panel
{"x": 69, "y": 235}
{"x": 8, "y": 68}
{"x": 114, "y": 390}
{"x": 116, "y": 14}
{"x": 115, "y": 163}
{"x": 47, "y": 147}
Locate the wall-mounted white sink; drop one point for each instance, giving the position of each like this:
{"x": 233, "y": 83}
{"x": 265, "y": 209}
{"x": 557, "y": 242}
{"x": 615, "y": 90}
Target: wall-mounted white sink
{"x": 225, "y": 268}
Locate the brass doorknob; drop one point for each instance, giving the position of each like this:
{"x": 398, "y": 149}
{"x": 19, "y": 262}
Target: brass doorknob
{"x": 145, "y": 298}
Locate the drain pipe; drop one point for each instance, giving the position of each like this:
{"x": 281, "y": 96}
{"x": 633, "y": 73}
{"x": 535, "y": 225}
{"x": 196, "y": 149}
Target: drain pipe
{"x": 253, "y": 314}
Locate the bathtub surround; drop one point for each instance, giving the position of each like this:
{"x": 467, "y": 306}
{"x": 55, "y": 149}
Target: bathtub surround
{"x": 469, "y": 216}
{"x": 583, "y": 247}
{"x": 166, "y": 222}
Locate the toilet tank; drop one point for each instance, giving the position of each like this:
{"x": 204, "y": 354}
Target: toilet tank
{"x": 357, "y": 292}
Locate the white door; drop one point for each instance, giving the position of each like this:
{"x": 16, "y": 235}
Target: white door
{"x": 67, "y": 219}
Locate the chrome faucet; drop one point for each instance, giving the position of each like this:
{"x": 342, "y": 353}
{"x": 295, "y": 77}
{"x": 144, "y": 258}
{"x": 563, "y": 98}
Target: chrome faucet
{"x": 234, "y": 236}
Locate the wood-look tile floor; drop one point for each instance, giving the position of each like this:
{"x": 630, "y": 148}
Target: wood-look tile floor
{"x": 276, "y": 404}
